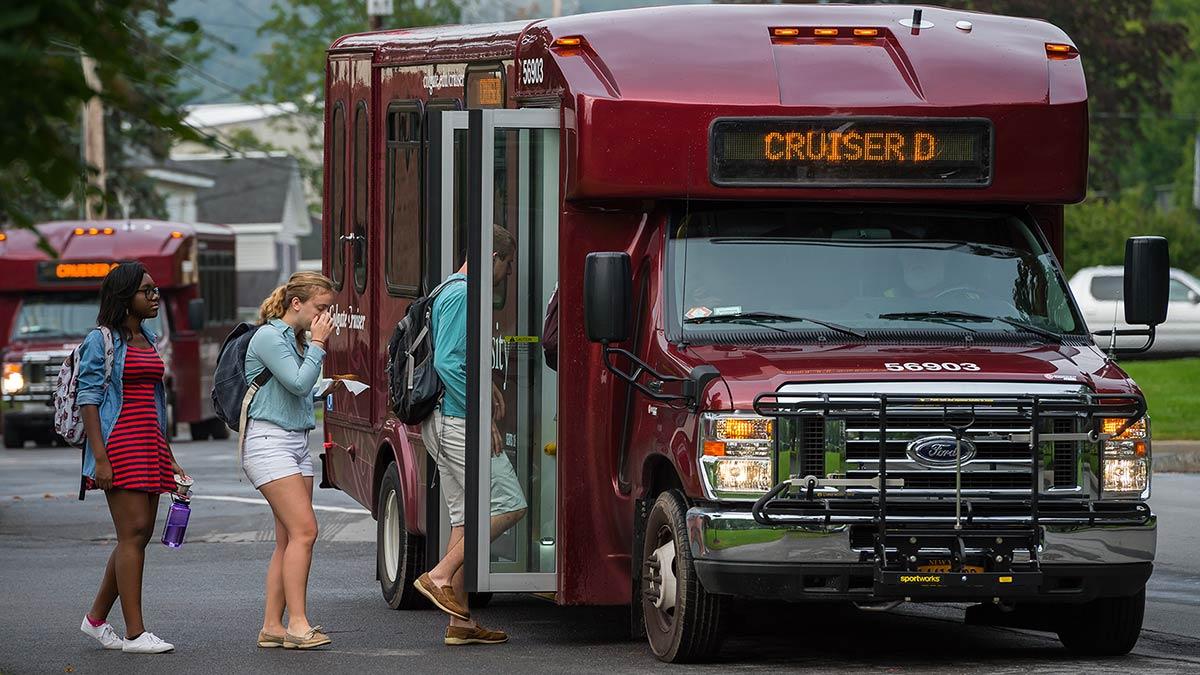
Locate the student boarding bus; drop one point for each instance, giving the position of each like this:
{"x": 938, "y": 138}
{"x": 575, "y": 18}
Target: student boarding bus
{"x": 815, "y": 342}
{"x": 49, "y": 303}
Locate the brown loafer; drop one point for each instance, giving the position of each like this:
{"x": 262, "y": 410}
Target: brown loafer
{"x": 267, "y": 641}
{"x": 476, "y": 635}
{"x": 442, "y": 597}
{"x": 313, "y": 638}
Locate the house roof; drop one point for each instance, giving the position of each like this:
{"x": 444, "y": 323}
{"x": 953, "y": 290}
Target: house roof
{"x": 247, "y": 189}
{"x": 220, "y": 114}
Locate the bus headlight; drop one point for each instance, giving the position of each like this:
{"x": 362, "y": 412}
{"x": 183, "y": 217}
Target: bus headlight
{"x": 13, "y": 381}
{"x": 736, "y": 455}
{"x": 1127, "y": 460}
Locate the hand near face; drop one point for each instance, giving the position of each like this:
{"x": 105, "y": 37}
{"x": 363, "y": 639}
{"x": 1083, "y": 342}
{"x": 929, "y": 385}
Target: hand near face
{"x": 322, "y": 326}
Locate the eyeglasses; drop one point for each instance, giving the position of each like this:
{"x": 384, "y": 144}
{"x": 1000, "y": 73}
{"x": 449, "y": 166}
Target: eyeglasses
{"x": 150, "y": 293}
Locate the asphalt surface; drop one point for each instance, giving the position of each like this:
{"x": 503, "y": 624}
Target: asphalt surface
{"x": 206, "y": 598}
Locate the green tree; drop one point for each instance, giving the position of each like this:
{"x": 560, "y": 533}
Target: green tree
{"x": 294, "y": 67}
{"x": 137, "y": 46}
{"x": 1096, "y": 231}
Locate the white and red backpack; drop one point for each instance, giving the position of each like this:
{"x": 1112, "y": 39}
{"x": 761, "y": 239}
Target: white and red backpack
{"x": 67, "y": 420}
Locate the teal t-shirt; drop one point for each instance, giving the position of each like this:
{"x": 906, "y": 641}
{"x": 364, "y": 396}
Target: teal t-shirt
{"x": 449, "y": 324}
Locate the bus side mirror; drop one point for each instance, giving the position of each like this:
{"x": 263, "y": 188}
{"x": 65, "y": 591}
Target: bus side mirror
{"x": 607, "y": 293}
{"x": 1147, "y": 280}
{"x": 196, "y": 314}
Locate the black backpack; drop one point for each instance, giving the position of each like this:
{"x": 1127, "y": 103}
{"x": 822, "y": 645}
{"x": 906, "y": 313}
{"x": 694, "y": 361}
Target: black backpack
{"x": 230, "y": 393}
{"x": 414, "y": 387}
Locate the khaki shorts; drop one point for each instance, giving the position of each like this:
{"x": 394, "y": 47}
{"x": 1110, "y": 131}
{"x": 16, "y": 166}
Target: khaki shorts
{"x": 446, "y": 441}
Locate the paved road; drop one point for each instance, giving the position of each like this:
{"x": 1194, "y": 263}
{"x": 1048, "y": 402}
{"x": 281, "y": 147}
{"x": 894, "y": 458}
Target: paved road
{"x": 206, "y": 598}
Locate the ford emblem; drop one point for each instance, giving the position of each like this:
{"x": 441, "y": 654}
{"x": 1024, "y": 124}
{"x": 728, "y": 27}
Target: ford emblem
{"x": 938, "y": 451}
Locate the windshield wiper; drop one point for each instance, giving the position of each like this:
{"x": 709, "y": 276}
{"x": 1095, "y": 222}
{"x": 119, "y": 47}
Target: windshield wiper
{"x": 970, "y": 316}
{"x": 761, "y": 317}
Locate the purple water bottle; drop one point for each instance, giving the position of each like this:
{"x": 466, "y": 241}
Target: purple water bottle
{"x": 177, "y": 515}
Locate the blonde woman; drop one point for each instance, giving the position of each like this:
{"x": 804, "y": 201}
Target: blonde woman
{"x": 276, "y": 457}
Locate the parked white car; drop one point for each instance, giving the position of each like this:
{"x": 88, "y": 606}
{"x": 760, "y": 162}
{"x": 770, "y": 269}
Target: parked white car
{"x": 1098, "y": 291}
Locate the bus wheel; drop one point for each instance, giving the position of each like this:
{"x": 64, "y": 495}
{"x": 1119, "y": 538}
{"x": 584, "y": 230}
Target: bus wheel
{"x": 398, "y": 554}
{"x": 682, "y": 619}
{"x": 199, "y": 430}
{"x": 1104, "y": 626}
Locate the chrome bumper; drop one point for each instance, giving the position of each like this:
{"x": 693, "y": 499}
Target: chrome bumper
{"x": 729, "y": 536}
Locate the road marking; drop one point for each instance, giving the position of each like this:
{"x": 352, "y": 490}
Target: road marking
{"x": 252, "y": 500}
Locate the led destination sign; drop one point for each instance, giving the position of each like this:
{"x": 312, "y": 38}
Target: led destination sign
{"x": 850, "y": 152}
{"x": 74, "y": 271}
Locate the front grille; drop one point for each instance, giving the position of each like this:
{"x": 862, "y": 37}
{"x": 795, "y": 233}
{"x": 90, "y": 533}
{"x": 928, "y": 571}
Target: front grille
{"x": 812, "y": 446}
{"x": 998, "y": 464}
{"x": 1064, "y": 456}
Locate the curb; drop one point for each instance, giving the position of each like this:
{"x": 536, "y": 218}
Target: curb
{"x": 1176, "y": 456}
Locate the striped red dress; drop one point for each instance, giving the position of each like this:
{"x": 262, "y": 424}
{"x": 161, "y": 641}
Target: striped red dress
{"x": 136, "y": 447}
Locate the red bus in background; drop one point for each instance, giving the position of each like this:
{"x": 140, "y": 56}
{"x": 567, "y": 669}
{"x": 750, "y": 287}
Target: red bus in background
{"x": 815, "y": 342}
{"x": 47, "y": 305}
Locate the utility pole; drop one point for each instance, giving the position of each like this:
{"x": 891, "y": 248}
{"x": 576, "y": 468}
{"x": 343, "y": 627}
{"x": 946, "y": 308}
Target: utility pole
{"x": 376, "y": 10}
{"x": 93, "y": 140}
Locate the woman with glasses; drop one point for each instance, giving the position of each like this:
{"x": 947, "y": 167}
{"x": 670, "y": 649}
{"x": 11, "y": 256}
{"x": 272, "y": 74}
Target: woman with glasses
{"x": 127, "y": 454}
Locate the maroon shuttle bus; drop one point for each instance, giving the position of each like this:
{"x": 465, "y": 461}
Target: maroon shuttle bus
{"x": 48, "y": 304}
{"x": 815, "y": 339}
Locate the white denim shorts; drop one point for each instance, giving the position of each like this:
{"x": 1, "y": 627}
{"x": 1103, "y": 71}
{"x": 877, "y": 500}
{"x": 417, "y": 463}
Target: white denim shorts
{"x": 272, "y": 452}
{"x": 446, "y": 441}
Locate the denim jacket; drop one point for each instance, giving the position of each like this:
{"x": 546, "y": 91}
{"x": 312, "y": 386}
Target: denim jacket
{"x": 107, "y": 395}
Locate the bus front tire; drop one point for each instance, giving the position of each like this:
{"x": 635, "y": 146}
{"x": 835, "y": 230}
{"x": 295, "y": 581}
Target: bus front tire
{"x": 398, "y": 554}
{"x": 1104, "y": 626}
{"x": 683, "y": 620}
{"x": 13, "y": 438}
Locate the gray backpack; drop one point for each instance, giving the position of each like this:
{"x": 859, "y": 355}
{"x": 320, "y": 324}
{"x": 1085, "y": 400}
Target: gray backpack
{"x": 231, "y": 395}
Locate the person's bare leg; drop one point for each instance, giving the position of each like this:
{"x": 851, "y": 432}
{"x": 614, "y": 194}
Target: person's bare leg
{"x": 291, "y": 500}
{"x": 107, "y": 595}
{"x": 133, "y": 516}
{"x": 499, "y": 525}
{"x": 273, "y": 612}
{"x": 452, "y": 562}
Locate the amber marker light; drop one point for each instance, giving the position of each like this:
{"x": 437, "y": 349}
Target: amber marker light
{"x": 785, "y": 32}
{"x": 79, "y": 231}
{"x": 714, "y": 449}
{"x": 825, "y": 32}
{"x": 93, "y": 230}
{"x": 109, "y": 230}
{"x": 572, "y": 41}
{"x": 3, "y": 236}
{"x": 177, "y": 235}
{"x": 866, "y": 32}
{"x": 1057, "y": 50}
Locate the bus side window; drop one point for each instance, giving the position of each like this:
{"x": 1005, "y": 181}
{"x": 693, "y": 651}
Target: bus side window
{"x": 403, "y": 266}
{"x": 337, "y": 212}
{"x": 359, "y": 166}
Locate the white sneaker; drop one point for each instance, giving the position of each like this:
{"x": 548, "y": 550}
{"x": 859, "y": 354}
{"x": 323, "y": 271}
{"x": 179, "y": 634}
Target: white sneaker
{"x": 103, "y": 633}
{"x": 147, "y": 643}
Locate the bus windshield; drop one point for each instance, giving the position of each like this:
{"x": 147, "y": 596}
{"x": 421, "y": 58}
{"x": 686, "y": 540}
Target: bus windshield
{"x": 851, "y": 271}
{"x": 62, "y": 315}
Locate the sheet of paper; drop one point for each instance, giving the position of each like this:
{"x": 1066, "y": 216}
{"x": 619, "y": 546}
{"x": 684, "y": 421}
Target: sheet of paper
{"x": 353, "y": 386}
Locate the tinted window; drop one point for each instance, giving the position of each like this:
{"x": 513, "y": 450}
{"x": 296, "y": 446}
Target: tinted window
{"x": 1179, "y": 291}
{"x": 337, "y": 211}
{"x": 1108, "y": 287}
{"x": 361, "y": 155}
{"x": 218, "y": 286}
{"x": 403, "y": 273}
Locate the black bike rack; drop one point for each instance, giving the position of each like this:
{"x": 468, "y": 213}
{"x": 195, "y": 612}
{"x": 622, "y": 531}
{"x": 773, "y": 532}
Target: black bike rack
{"x": 907, "y": 524}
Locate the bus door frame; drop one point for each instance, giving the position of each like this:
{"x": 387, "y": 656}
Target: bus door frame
{"x": 481, "y": 127}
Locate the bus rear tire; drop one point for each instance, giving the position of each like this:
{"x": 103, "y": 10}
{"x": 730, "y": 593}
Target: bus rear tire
{"x": 683, "y": 620}
{"x": 1104, "y": 626}
{"x": 399, "y": 555}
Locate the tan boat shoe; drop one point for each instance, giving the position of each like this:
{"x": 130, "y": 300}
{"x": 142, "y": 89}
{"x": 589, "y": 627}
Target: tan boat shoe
{"x": 313, "y": 638}
{"x": 267, "y": 641}
{"x": 475, "y": 635}
{"x": 442, "y": 597}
